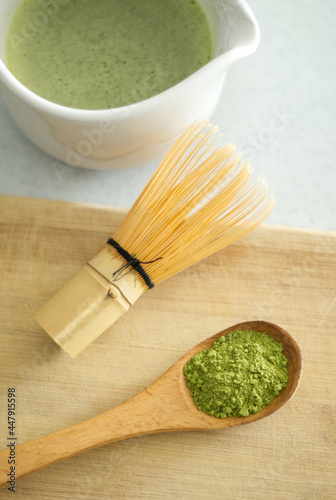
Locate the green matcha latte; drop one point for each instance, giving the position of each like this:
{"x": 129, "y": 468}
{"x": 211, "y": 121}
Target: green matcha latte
{"x": 99, "y": 54}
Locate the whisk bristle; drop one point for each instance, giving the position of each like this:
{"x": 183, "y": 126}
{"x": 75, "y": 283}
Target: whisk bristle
{"x": 198, "y": 201}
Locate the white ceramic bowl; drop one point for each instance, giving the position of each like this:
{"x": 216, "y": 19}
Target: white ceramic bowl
{"x": 136, "y": 134}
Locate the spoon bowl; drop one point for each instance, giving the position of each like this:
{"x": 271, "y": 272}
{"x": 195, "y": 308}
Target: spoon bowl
{"x": 165, "y": 406}
{"x": 292, "y": 352}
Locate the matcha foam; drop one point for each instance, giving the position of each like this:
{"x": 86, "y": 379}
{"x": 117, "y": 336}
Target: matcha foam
{"x": 239, "y": 375}
{"x": 99, "y": 54}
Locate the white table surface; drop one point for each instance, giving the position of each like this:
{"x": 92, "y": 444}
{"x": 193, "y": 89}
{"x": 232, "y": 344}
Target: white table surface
{"x": 278, "y": 106}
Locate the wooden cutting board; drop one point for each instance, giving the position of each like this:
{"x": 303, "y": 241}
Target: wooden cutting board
{"x": 278, "y": 274}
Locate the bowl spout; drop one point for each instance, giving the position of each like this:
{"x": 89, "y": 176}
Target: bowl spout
{"x": 235, "y": 29}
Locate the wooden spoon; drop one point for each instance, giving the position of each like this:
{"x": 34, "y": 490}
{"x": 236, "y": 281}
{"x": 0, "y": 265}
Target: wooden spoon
{"x": 165, "y": 406}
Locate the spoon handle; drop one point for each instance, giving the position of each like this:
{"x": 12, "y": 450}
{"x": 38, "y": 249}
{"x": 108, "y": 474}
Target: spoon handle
{"x": 141, "y": 414}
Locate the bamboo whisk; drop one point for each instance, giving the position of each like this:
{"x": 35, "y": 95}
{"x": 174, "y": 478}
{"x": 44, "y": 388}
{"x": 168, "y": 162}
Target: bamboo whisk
{"x": 198, "y": 201}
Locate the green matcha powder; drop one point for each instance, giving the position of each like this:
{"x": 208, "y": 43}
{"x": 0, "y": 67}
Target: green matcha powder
{"x": 239, "y": 375}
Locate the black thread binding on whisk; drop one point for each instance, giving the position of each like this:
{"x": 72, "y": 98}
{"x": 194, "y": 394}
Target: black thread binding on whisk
{"x": 132, "y": 261}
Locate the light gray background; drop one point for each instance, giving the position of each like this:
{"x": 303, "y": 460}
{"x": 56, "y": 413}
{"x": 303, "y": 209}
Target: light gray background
{"x": 278, "y": 106}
